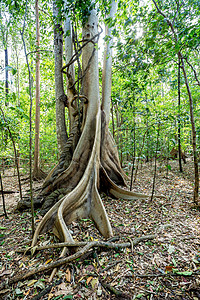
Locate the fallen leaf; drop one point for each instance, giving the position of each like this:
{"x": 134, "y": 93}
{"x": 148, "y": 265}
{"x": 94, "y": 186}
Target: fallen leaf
{"x": 31, "y": 282}
{"x": 94, "y": 282}
{"x": 117, "y": 268}
{"x": 50, "y": 296}
{"x": 48, "y": 261}
{"x": 68, "y": 275}
{"x": 168, "y": 268}
{"x": 89, "y": 279}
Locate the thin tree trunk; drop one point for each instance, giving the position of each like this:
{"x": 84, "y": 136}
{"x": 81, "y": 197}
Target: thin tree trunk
{"x": 134, "y": 154}
{"x": 167, "y": 157}
{"x": 134, "y": 143}
{"x": 3, "y": 199}
{"x": 179, "y": 119}
{"x": 6, "y": 76}
{"x": 15, "y": 153}
{"x": 17, "y": 81}
{"x": 194, "y": 143}
{"x": 155, "y": 165}
{"x": 37, "y": 92}
{"x": 139, "y": 155}
{"x": 196, "y": 187}
{"x": 59, "y": 88}
{"x": 30, "y": 123}
{"x": 121, "y": 140}
{"x": 37, "y": 173}
{"x": 117, "y": 121}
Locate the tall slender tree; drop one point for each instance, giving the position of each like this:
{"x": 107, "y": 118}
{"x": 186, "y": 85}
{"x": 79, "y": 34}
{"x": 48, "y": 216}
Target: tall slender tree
{"x": 59, "y": 87}
{"x": 179, "y": 117}
{"x": 175, "y": 35}
{"x": 5, "y": 22}
{"x": 107, "y": 64}
{"x": 37, "y": 172}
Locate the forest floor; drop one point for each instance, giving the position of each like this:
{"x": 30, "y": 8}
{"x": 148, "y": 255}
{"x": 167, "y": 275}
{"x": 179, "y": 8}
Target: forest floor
{"x": 166, "y": 267}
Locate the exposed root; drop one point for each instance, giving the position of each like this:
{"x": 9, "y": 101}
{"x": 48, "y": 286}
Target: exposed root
{"x": 117, "y": 191}
{"x": 38, "y": 174}
{"x": 72, "y": 187}
{"x": 61, "y": 261}
{"x": 83, "y": 201}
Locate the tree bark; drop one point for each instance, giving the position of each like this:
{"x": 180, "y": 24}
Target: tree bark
{"x": 89, "y": 162}
{"x": 194, "y": 136}
{"x": 37, "y": 172}
{"x": 6, "y": 76}
{"x": 59, "y": 88}
{"x": 107, "y": 65}
{"x": 70, "y": 70}
{"x": 179, "y": 118}
{"x": 30, "y": 121}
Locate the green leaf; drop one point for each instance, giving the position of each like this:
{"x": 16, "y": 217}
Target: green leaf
{"x": 2, "y": 228}
{"x": 174, "y": 262}
{"x": 68, "y": 297}
{"x": 139, "y": 296}
{"x": 184, "y": 273}
{"x": 14, "y": 71}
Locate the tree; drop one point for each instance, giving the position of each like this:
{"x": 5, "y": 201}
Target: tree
{"x": 4, "y": 29}
{"x": 37, "y": 172}
{"x": 178, "y": 46}
{"x": 59, "y": 88}
{"x": 89, "y": 162}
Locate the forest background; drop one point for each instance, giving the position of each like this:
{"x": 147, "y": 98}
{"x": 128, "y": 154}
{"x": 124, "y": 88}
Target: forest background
{"x": 144, "y": 79}
{"x": 155, "y": 86}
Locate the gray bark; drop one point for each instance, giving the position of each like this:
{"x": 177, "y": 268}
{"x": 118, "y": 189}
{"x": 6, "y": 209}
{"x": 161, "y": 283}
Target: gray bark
{"x": 59, "y": 88}
{"x": 107, "y": 66}
{"x": 70, "y": 70}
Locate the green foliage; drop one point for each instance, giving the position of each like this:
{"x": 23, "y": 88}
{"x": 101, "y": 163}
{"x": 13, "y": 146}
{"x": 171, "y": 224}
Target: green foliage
{"x": 144, "y": 91}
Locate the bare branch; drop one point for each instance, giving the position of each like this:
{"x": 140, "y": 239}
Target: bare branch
{"x": 167, "y": 19}
{"x": 36, "y": 51}
{"x": 193, "y": 69}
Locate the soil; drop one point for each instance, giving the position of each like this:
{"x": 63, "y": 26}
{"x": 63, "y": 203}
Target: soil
{"x": 167, "y": 267}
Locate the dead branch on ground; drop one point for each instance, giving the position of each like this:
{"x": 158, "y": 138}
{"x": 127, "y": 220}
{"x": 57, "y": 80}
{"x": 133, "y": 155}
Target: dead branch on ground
{"x": 65, "y": 260}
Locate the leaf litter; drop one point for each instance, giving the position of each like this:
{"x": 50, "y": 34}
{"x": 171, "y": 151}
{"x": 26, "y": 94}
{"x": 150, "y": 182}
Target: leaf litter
{"x": 167, "y": 267}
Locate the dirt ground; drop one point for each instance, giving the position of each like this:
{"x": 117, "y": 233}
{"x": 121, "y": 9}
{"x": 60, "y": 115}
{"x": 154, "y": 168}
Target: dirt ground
{"x": 166, "y": 267}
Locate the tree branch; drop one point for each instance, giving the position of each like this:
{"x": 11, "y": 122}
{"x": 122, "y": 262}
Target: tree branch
{"x": 166, "y": 18}
{"x": 59, "y": 262}
{"x": 108, "y": 245}
{"x": 193, "y": 69}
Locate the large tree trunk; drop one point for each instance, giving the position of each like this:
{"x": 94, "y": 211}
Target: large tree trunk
{"x": 59, "y": 89}
{"x": 89, "y": 162}
{"x": 37, "y": 172}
